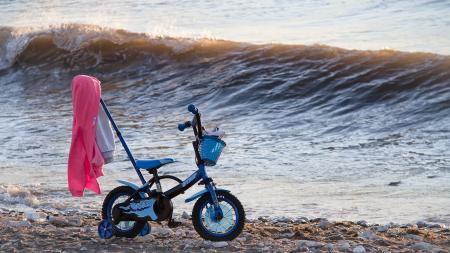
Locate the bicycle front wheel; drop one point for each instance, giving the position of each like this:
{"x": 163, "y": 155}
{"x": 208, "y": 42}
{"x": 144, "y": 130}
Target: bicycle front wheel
{"x": 213, "y": 228}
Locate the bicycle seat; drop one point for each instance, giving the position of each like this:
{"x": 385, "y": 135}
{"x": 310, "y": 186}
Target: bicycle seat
{"x": 153, "y": 164}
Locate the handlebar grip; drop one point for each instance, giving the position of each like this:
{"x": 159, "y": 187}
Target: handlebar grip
{"x": 184, "y": 125}
{"x": 192, "y": 109}
{"x": 181, "y": 127}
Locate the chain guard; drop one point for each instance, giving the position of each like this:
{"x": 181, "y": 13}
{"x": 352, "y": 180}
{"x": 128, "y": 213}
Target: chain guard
{"x": 147, "y": 209}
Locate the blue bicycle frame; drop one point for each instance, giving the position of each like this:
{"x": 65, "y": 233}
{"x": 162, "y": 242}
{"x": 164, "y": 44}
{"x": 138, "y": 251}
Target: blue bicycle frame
{"x": 198, "y": 175}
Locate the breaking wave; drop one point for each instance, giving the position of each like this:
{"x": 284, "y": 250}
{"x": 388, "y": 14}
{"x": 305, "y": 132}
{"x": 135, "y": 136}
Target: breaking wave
{"x": 286, "y": 79}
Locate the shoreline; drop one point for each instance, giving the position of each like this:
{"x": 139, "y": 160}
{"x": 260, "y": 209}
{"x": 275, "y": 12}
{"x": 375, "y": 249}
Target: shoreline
{"x": 51, "y": 232}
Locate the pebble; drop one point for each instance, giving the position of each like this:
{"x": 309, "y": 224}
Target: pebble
{"x": 421, "y": 224}
{"x": 191, "y": 233}
{"x": 219, "y": 244}
{"x": 423, "y": 246}
{"x": 302, "y": 220}
{"x": 62, "y": 222}
{"x": 283, "y": 224}
{"x": 247, "y": 234}
{"x": 302, "y": 249}
{"x": 284, "y": 219}
{"x": 309, "y": 244}
{"x": 83, "y": 248}
{"x": 435, "y": 225}
{"x": 343, "y": 246}
{"x": 264, "y": 218}
{"x": 362, "y": 223}
{"x": 329, "y": 247}
{"x": 75, "y": 221}
{"x": 413, "y": 237}
{"x": 408, "y": 225}
{"x": 369, "y": 235}
{"x": 5, "y": 246}
{"x": 267, "y": 248}
{"x": 180, "y": 233}
{"x": 241, "y": 239}
{"x": 383, "y": 228}
{"x": 394, "y": 225}
{"x": 287, "y": 235}
{"x": 186, "y": 216}
{"x": 162, "y": 231}
{"x": 17, "y": 224}
{"x": 272, "y": 229}
{"x": 336, "y": 237}
{"x": 324, "y": 224}
{"x": 35, "y": 217}
{"x": 359, "y": 249}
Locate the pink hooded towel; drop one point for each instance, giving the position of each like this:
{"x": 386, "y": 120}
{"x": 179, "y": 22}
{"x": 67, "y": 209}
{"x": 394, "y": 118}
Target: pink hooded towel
{"x": 85, "y": 158}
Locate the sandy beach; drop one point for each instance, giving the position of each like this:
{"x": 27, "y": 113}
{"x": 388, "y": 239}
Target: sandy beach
{"x": 47, "y": 232}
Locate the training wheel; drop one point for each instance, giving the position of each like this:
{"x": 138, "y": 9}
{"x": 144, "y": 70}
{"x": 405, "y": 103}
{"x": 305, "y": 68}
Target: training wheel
{"x": 145, "y": 230}
{"x": 105, "y": 229}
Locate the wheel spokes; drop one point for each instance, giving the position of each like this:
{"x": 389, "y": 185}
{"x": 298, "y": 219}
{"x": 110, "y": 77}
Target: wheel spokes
{"x": 123, "y": 225}
{"x": 223, "y": 225}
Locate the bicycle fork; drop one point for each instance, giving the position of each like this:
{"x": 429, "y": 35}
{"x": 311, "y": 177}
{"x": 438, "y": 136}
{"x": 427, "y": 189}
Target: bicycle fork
{"x": 209, "y": 185}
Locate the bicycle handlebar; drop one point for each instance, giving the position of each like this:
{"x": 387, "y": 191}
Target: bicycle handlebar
{"x": 184, "y": 125}
{"x": 195, "y": 123}
{"x": 193, "y": 109}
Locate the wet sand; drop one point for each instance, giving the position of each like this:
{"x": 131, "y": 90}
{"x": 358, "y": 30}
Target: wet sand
{"x": 47, "y": 232}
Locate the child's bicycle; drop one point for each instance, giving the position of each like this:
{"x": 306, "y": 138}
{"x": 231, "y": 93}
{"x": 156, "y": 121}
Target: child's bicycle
{"x": 217, "y": 214}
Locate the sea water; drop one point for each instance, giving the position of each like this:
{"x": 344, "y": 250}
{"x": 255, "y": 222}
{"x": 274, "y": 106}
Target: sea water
{"x": 323, "y": 104}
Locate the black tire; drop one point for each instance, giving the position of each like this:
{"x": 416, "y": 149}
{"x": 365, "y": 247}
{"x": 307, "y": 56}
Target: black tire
{"x": 107, "y": 209}
{"x": 235, "y": 204}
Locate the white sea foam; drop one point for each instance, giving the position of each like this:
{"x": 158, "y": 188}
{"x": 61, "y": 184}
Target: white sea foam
{"x": 17, "y": 195}
{"x": 72, "y": 37}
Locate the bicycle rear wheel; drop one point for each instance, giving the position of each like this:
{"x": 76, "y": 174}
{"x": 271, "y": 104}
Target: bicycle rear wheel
{"x": 128, "y": 229}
